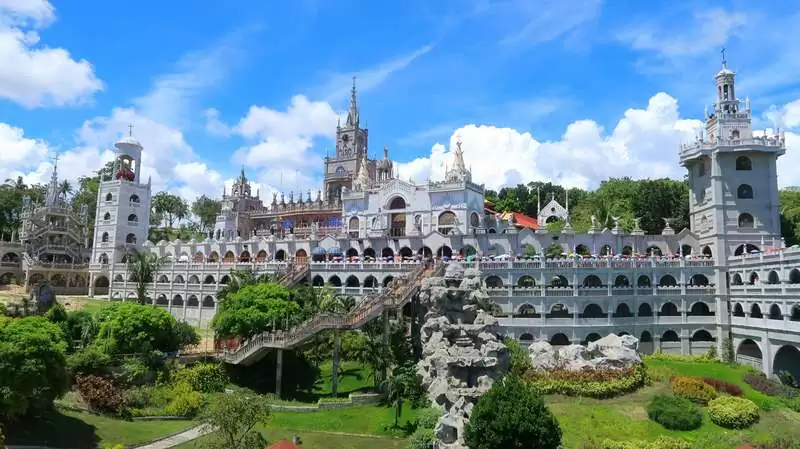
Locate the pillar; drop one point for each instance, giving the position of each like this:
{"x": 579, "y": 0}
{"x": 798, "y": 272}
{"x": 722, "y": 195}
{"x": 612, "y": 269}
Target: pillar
{"x": 278, "y": 372}
{"x": 337, "y": 343}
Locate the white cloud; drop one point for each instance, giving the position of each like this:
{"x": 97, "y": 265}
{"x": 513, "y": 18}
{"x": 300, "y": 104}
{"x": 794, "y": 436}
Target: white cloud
{"x": 214, "y": 125}
{"x": 17, "y": 150}
{"x": 539, "y": 22}
{"x": 34, "y": 75}
{"x": 644, "y": 143}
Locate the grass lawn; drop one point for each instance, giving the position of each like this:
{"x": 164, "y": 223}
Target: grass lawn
{"x": 583, "y": 420}
{"x": 318, "y": 440}
{"x": 86, "y": 303}
{"x": 72, "y": 429}
{"x": 355, "y": 378}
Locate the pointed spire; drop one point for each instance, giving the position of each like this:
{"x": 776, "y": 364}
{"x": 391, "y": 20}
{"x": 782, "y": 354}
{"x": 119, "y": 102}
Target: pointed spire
{"x": 352, "y": 114}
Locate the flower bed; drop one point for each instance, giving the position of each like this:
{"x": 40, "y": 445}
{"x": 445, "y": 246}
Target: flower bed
{"x": 675, "y": 413}
{"x": 732, "y": 412}
{"x": 724, "y": 387}
{"x": 662, "y": 442}
{"x": 769, "y": 387}
{"x": 693, "y": 389}
{"x": 599, "y": 384}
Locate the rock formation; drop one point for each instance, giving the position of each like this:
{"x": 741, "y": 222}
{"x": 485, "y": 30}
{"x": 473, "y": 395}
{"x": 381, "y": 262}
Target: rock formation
{"x": 609, "y": 352}
{"x": 462, "y": 354}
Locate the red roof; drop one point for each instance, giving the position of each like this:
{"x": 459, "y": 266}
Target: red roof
{"x": 525, "y": 221}
{"x": 284, "y": 444}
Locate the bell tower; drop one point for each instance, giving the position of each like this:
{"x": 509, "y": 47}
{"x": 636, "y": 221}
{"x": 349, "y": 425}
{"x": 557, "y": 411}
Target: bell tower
{"x": 351, "y": 149}
{"x": 732, "y": 173}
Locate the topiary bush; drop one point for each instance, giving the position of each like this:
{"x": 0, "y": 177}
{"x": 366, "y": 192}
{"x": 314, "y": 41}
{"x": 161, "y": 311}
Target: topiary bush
{"x": 99, "y": 393}
{"x": 693, "y": 389}
{"x": 674, "y": 413}
{"x": 769, "y": 387}
{"x": 422, "y": 438}
{"x": 732, "y": 412}
{"x": 203, "y": 377}
{"x": 724, "y": 387}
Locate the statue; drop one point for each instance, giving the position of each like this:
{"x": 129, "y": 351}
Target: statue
{"x": 594, "y": 221}
{"x": 616, "y": 221}
{"x": 636, "y": 223}
{"x": 418, "y": 221}
{"x": 666, "y": 222}
{"x": 274, "y": 197}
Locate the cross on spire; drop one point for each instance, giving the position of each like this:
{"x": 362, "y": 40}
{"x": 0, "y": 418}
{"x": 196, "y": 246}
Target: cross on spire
{"x": 130, "y": 129}
{"x": 724, "y": 61}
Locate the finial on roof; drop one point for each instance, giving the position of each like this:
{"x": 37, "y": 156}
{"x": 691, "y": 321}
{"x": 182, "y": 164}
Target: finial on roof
{"x": 724, "y": 61}
{"x": 130, "y": 129}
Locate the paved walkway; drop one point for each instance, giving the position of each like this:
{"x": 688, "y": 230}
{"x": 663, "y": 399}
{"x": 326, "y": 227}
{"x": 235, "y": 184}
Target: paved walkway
{"x": 183, "y": 437}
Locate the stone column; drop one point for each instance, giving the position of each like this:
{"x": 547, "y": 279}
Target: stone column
{"x": 278, "y": 372}
{"x": 337, "y": 343}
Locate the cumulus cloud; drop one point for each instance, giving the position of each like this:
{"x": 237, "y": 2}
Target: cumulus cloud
{"x": 34, "y": 75}
{"x": 644, "y": 143}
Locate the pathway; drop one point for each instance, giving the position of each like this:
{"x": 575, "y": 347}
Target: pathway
{"x": 180, "y": 438}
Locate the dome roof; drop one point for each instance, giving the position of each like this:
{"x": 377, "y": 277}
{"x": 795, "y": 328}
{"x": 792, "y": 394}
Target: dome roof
{"x": 128, "y": 141}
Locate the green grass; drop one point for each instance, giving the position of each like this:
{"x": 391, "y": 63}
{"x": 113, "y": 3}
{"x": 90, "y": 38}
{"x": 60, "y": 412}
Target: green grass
{"x": 69, "y": 429}
{"x": 355, "y": 378}
{"x": 317, "y": 440}
{"x": 625, "y": 418}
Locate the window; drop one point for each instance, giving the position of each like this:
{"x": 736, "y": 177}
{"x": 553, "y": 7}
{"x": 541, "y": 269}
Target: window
{"x": 744, "y": 192}
{"x": 109, "y": 197}
{"x": 107, "y": 216}
{"x": 105, "y": 237}
{"x": 735, "y": 134}
{"x": 447, "y": 221}
{"x": 353, "y": 227}
{"x": 131, "y": 238}
{"x": 743, "y": 163}
{"x": 134, "y": 198}
{"x": 397, "y": 203}
{"x": 133, "y": 218}
{"x": 746, "y": 221}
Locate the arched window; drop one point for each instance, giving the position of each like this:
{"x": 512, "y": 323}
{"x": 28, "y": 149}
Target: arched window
{"x": 107, "y": 216}
{"x": 104, "y": 239}
{"x": 353, "y": 227}
{"x": 474, "y": 220}
{"x": 397, "y": 203}
{"x": 447, "y": 222}
{"x": 744, "y": 192}
{"x": 131, "y": 238}
{"x": 109, "y": 197}
{"x": 132, "y": 218}
{"x": 743, "y": 163}
{"x": 134, "y": 198}
{"x": 746, "y": 221}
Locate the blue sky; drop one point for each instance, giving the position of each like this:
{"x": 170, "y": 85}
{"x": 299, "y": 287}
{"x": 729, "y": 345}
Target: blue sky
{"x": 571, "y": 91}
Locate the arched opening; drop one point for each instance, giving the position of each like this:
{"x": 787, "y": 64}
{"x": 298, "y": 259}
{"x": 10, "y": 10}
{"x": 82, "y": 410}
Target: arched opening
{"x": 335, "y": 281}
{"x": 670, "y": 336}
{"x": 474, "y": 220}
{"x": 198, "y": 257}
{"x": 623, "y": 311}
{"x": 130, "y": 238}
{"x": 117, "y": 278}
{"x": 737, "y": 279}
{"x": 592, "y": 311}
{"x": 387, "y": 280}
{"x": 446, "y": 222}
{"x": 794, "y": 276}
{"x": 109, "y": 197}
{"x": 787, "y": 359}
{"x": 425, "y": 252}
{"x": 317, "y": 281}
{"x": 654, "y": 251}
{"x": 559, "y": 281}
{"x": 179, "y": 279}
{"x": 738, "y": 311}
{"x": 161, "y": 300}
{"x": 8, "y": 279}
{"x": 754, "y": 278}
{"x": 606, "y": 250}
{"x": 590, "y": 338}
{"x": 229, "y": 257}
{"x": 749, "y": 353}
{"x": 213, "y": 257}
{"x": 104, "y": 238}
{"x": 773, "y": 278}
{"x": 208, "y": 302}
{"x": 301, "y": 256}
{"x": 707, "y": 251}
{"x": 351, "y": 253}
{"x": 700, "y": 309}
{"x": 526, "y": 281}
{"x": 775, "y": 312}
{"x": 627, "y": 250}
{"x": 133, "y": 219}
{"x": 592, "y": 281}
{"x": 444, "y": 252}
{"x": 467, "y": 251}
{"x": 352, "y": 282}
{"x": 193, "y": 301}
{"x": 643, "y": 281}
{"x": 209, "y": 280}
{"x": 667, "y": 281}
{"x": 622, "y": 281}
{"x": 58, "y": 280}
{"x": 527, "y": 310}
{"x": 352, "y": 227}
{"x": 106, "y": 216}
{"x": 244, "y": 256}
{"x": 646, "y": 345}
{"x": 743, "y": 163}
{"x": 370, "y": 282}
{"x": 554, "y": 251}
{"x": 755, "y": 311}
{"x": 744, "y": 192}
{"x": 559, "y": 311}
{"x": 406, "y": 253}
{"x": 795, "y": 313}
{"x": 526, "y": 338}
{"x": 193, "y": 279}
{"x": 225, "y": 280}
{"x": 698, "y": 280}
{"x": 493, "y": 282}
{"x": 669, "y": 309}
{"x": 702, "y": 335}
{"x": 397, "y": 220}
{"x": 582, "y": 250}
{"x": 687, "y": 250}
{"x": 177, "y": 300}
{"x": 387, "y": 253}
{"x": 261, "y": 256}
{"x": 559, "y": 339}
{"x": 746, "y": 221}
{"x": 280, "y": 255}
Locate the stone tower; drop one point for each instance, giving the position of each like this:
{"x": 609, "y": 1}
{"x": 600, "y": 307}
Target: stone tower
{"x": 733, "y": 201}
{"x": 351, "y": 150}
{"x": 123, "y": 206}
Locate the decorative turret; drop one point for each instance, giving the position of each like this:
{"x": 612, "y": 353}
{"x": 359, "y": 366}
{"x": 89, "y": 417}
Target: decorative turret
{"x": 458, "y": 172}
{"x": 129, "y": 156}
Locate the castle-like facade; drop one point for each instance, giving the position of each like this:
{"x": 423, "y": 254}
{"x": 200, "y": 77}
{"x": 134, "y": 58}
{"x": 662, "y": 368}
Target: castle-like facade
{"x": 728, "y": 278}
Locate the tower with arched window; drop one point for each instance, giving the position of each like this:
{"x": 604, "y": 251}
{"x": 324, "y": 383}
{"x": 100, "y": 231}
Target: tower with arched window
{"x": 123, "y": 207}
{"x": 733, "y": 200}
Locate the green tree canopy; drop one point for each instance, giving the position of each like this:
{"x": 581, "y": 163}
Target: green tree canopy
{"x": 33, "y": 365}
{"x": 512, "y": 415}
{"x": 127, "y": 328}
{"x": 256, "y": 308}
{"x": 235, "y": 417}
{"x": 171, "y": 207}
{"x": 206, "y": 210}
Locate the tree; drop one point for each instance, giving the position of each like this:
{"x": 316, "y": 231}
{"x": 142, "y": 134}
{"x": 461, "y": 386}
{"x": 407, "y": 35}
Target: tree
{"x": 256, "y": 308}
{"x": 127, "y": 328}
{"x": 235, "y": 417}
{"x": 399, "y": 388}
{"x": 518, "y": 360}
{"x": 33, "y": 365}
{"x": 65, "y": 188}
{"x": 143, "y": 266}
{"x": 206, "y": 210}
{"x": 512, "y": 415}
{"x": 172, "y": 207}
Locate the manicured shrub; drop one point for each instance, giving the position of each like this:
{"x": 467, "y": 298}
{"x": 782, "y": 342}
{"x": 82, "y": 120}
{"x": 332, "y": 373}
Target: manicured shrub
{"x": 89, "y": 360}
{"x": 422, "y": 438}
{"x": 732, "y": 412}
{"x": 759, "y": 382}
{"x": 599, "y": 384}
{"x": 661, "y": 442}
{"x": 704, "y": 358}
{"x": 693, "y": 389}
{"x": 185, "y": 402}
{"x": 675, "y": 413}
{"x": 427, "y": 418}
{"x": 99, "y": 393}
{"x": 204, "y": 377}
{"x": 724, "y": 387}
{"x": 519, "y": 362}
{"x": 787, "y": 379}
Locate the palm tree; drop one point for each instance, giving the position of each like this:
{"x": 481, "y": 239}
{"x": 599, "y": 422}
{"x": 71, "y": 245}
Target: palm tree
{"x": 336, "y": 304}
{"x": 398, "y": 388}
{"x": 240, "y": 278}
{"x": 143, "y": 266}
{"x": 65, "y": 189}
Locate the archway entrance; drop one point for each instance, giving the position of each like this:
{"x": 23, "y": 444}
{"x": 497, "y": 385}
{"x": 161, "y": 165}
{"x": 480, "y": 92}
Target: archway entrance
{"x": 787, "y": 359}
{"x": 301, "y": 257}
{"x": 749, "y": 353}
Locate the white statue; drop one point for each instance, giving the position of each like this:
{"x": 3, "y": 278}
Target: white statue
{"x": 616, "y": 221}
{"x": 636, "y": 223}
{"x": 594, "y": 221}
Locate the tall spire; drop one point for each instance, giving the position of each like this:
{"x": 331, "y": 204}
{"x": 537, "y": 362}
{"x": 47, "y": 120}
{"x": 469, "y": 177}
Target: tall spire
{"x": 352, "y": 114}
{"x": 458, "y": 157}
{"x": 52, "y": 188}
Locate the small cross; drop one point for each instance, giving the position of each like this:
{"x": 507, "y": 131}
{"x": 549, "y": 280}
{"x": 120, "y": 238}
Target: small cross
{"x": 723, "y": 53}
{"x": 55, "y": 160}
{"x": 130, "y": 130}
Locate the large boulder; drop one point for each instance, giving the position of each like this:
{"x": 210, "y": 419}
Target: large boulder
{"x": 543, "y": 355}
{"x": 613, "y": 351}
{"x": 610, "y": 352}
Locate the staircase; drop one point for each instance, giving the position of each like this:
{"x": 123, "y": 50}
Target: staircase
{"x": 371, "y": 306}
{"x": 293, "y": 274}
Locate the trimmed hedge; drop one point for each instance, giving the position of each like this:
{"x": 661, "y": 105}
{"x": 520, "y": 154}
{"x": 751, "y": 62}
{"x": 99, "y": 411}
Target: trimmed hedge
{"x": 724, "y": 387}
{"x": 705, "y": 358}
{"x": 732, "y": 412}
{"x": 693, "y": 389}
{"x": 627, "y": 382}
{"x": 769, "y": 387}
{"x": 675, "y": 413}
{"x": 661, "y": 442}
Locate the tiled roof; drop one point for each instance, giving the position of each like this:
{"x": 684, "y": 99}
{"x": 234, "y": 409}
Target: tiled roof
{"x": 284, "y": 444}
